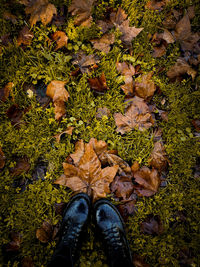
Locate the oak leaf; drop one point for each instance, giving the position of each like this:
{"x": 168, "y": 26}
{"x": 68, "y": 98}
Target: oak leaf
{"x": 148, "y": 180}
{"x": 99, "y": 83}
{"x": 60, "y": 38}
{"x": 137, "y": 116}
{"x": 103, "y": 44}
{"x": 25, "y": 36}
{"x": 82, "y": 9}
{"x": 88, "y": 176}
{"x": 158, "y": 158}
{"x": 56, "y": 90}
{"x": 39, "y": 10}
{"x": 144, "y": 86}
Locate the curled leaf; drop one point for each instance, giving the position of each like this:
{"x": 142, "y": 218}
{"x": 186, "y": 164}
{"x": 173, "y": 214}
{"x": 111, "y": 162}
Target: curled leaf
{"x": 25, "y": 36}
{"x": 67, "y": 131}
{"x": 60, "y": 38}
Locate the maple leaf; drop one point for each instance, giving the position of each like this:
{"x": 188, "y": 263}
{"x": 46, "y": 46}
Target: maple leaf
{"x": 122, "y": 187}
{"x": 137, "y": 116}
{"x": 148, "y": 180}
{"x": 56, "y": 90}
{"x": 144, "y": 86}
{"x": 103, "y": 44}
{"x": 88, "y": 176}
{"x": 25, "y": 36}
{"x": 60, "y": 38}
{"x": 117, "y": 18}
{"x": 39, "y": 10}
{"x": 128, "y": 71}
{"x": 5, "y": 91}
{"x": 85, "y": 61}
{"x": 158, "y": 158}
{"x": 82, "y": 9}
{"x": 2, "y": 159}
{"x": 99, "y": 83}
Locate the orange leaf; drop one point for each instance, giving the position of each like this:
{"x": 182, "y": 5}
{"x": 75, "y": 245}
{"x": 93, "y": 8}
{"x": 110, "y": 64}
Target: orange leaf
{"x": 67, "y": 131}
{"x": 25, "y": 36}
{"x": 5, "y": 91}
{"x": 60, "y": 38}
{"x": 98, "y": 84}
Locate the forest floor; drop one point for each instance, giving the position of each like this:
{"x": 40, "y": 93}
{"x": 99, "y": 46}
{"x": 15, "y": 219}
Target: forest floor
{"x": 113, "y": 85}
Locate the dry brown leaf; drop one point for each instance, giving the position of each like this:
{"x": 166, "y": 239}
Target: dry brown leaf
{"x": 128, "y": 71}
{"x": 137, "y": 116}
{"x": 15, "y": 243}
{"x": 152, "y": 225}
{"x": 98, "y": 84}
{"x": 191, "y": 12}
{"x": 56, "y": 90}
{"x": 155, "y": 5}
{"x": 103, "y": 44}
{"x": 167, "y": 36}
{"x": 79, "y": 151}
{"x": 22, "y": 166}
{"x": 127, "y": 208}
{"x": 99, "y": 146}
{"x": 2, "y": 159}
{"x": 5, "y": 91}
{"x": 158, "y": 158}
{"x": 67, "y": 131}
{"x": 181, "y": 67}
{"x": 85, "y": 61}
{"x": 122, "y": 187}
{"x": 39, "y": 10}
{"x": 25, "y": 36}
{"x": 148, "y": 180}
{"x": 44, "y": 233}
{"x": 27, "y": 262}
{"x": 82, "y": 9}
{"x": 60, "y": 38}
{"x": 102, "y": 112}
{"x": 104, "y": 25}
{"x": 8, "y": 16}
{"x": 88, "y": 176}
{"x": 118, "y": 17}
{"x": 135, "y": 167}
{"x": 144, "y": 86}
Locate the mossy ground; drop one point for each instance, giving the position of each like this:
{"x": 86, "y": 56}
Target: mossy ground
{"x": 25, "y": 211}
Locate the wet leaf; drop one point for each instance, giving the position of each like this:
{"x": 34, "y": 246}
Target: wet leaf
{"x": 67, "y": 131}
{"x": 22, "y": 166}
{"x": 152, "y": 225}
{"x": 103, "y": 44}
{"x": 5, "y": 91}
{"x": 56, "y": 90}
{"x": 99, "y": 146}
{"x": 144, "y": 86}
{"x": 60, "y": 38}
{"x": 180, "y": 68}
{"x": 158, "y": 158}
{"x": 44, "y": 233}
{"x": 155, "y": 5}
{"x": 122, "y": 187}
{"x": 148, "y": 180}
{"x": 39, "y": 10}
{"x": 85, "y": 61}
{"x": 137, "y": 116}
{"x": 2, "y": 159}
{"x": 82, "y": 9}
{"x": 15, "y": 243}
{"x": 25, "y": 36}
{"x": 88, "y": 176}
{"x": 98, "y": 84}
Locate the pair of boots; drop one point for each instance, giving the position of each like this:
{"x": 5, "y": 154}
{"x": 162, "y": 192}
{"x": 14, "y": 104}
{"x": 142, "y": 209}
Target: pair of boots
{"x": 109, "y": 224}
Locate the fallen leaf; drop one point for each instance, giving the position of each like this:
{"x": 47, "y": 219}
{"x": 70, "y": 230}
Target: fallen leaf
{"x": 152, "y": 225}
{"x": 27, "y": 262}
{"x": 196, "y": 124}
{"x": 144, "y": 86}
{"x": 148, "y": 180}
{"x": 158, "y": 158}
{"x": 191, "y": 12}
{"x": 104, "y": 25}
{"x": 82, "y": 9}
{"x": 103, "y": 44}
{"x": 155, "y": 5}
{"x": 138, "y": 261}
{"x": 85, "y": 61}
{"x": 128, "y": 71}
{"x": 25, "y": 36}
{"x": 39, "y": 10}
{"x": 5, "y": 91}
{"x": 99, "y": 146}
{"x": 15, "y": 243}
{"x": 44, "y": 233}
{"x": 126, "y": 209}
{"x": 22, "y": 166}
{"x": 102, "y": 112}
{"x": 79, "y": 151}
{"x": 60, "y": 38}
{"x": 8, "y": 16}
{"x": 98, "y": 84}
{"x": 167, "y": 36}
{"x": 88, "y": 176}
{"x": 135, "y": 167}
{"x": 122, "y": 187}
{"x": 117, "y": 18}
{"x": 15, "y": 114}
{"x": 137, "y": 116}
{"x": 181, "y": 67}
{"x": 56, "y": 90}
{"x": 2, "y": 159}
{"x": 67, "y": 131}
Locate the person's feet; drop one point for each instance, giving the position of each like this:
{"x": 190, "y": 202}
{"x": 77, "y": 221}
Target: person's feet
{"x": 111, "y": 227}
{"x": 75, "y": 218}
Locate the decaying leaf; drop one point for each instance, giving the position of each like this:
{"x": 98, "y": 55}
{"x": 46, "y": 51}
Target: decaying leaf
{"x": 67, "y": 131}
{"x": 144, "y": 86}
{"x": 139, "y": 261}
{"x": 5, "y": 91}
{"x": 155, "y": 4}
{"x": 98, "y": 84}
{"x": 181, "y": 67}
{"x": 2, "y": 159}
{"x": 127, "y": 208}
{"x": 102, "y": 112}
{"x": 9, "y": 16}
{"x": 85, "y": 61}
{"x": 82, "y": 9}
{"x": 15, "y": 114}
{"x": 44, "y": 233}
{"x": 39, "y": 10}
{"x": 117, "y": 18}
{"x": 104, "y": 25}
{"x": 88, "y": 176}
{"x": 122, "y": 187}
{"x": 103, "y": 44}
{"x": 135, "y": 166}
{"x": 158, "y": 158}
{"x": 22, "y": 166}
{"x": 196, "y": 124}
{"x": 56, "y": 90}
{"x": 137, "y": 116}
{"x": 25, "y": 36}
{"x": 27, "y": 262}
{"x": 128, "y": 71}
{"x": 148, "y": 180}
{"x": 60, "y": 38}
{"x": 152, "y": 225}
{"x": 15, "y": 243}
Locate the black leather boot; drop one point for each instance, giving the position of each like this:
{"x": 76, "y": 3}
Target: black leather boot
{"x": 111, "y": 227}
{"x": 74, "y": 221}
